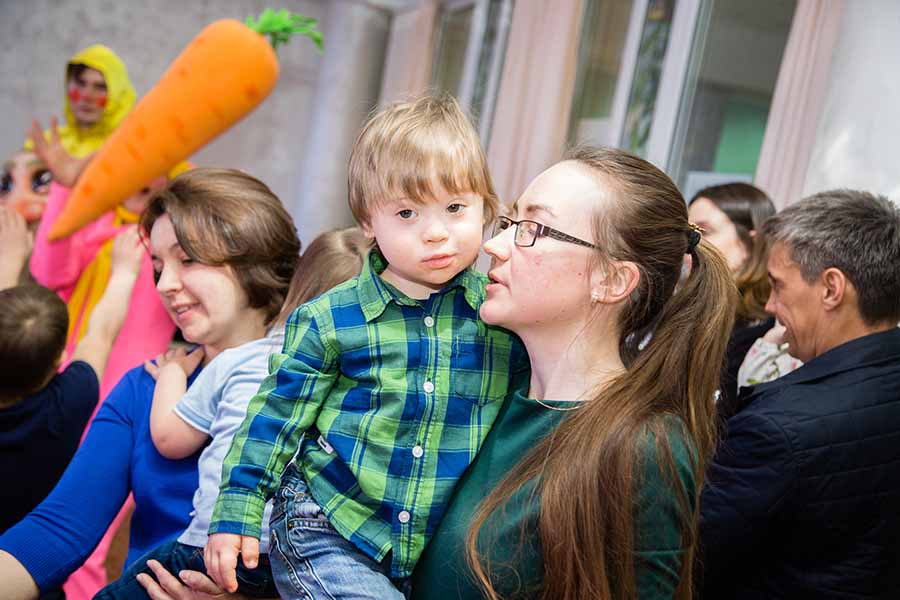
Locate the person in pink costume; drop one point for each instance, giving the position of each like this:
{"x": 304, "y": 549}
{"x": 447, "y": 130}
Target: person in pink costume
{"x": 61, "y": 266}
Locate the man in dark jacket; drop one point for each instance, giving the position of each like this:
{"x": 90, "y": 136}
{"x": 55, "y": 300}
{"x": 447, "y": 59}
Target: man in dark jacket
{"x": 803, "y": 497}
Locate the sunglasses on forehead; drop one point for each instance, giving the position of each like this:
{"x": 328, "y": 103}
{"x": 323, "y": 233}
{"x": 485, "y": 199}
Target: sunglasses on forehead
{"x": 529, "y": 231}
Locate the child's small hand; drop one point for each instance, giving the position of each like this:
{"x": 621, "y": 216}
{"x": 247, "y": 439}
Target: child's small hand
{"x": 15, "y": 239}
{"x": 221, "y": 555}
{"x": 776, "y": 334}
{"x": 175, "y": 358}
{"x": 127, "y": 252}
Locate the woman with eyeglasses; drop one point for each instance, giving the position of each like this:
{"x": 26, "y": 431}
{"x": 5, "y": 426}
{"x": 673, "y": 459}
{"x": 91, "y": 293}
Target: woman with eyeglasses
{"x": 586, "y": 488}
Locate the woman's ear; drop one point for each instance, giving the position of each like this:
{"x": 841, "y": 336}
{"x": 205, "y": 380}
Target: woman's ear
{"x": 615, "y": 282}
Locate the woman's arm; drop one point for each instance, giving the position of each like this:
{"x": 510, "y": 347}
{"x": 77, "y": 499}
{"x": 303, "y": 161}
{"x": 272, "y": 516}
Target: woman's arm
{"x": 659, "y": 548}
{"x": 57, "y": 536}
{"x": 17, "y": 583}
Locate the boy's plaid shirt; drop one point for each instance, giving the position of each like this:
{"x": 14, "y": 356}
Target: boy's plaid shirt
{"x": 394, "y": 396}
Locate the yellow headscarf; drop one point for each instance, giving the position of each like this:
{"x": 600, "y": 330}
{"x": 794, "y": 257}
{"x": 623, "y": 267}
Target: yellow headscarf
{"x": 78, "y": 141}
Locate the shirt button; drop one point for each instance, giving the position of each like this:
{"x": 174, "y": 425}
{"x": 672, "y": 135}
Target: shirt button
{"x": 417, "y": 451}
{"x": 429, "y": 321}
{"x": 403, "y": 517}
{"x": 428, "y": 387}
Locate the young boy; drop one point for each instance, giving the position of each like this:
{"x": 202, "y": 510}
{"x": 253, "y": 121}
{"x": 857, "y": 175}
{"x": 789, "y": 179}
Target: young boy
{"x": 43, "y": 413}
{"x": 387, "y": 384}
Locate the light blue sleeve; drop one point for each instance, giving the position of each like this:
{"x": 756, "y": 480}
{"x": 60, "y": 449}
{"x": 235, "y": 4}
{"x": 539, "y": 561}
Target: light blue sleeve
{"x": 199, "y": 404}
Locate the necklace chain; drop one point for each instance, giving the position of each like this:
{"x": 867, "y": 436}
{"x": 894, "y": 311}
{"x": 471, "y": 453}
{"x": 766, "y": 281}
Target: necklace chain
{"x": 545, "y": 405}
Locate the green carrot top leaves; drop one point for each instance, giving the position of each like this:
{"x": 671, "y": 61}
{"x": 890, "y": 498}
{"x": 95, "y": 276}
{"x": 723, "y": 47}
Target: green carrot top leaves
{"x": 282, "y": 24}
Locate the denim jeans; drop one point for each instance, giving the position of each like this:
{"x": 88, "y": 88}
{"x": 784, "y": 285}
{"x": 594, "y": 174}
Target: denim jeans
{"x": 312, "y": 561}
{"x": 177, "y": 557}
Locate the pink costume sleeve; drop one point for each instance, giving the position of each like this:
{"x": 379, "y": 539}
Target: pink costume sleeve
{"x": 57, "y": 265}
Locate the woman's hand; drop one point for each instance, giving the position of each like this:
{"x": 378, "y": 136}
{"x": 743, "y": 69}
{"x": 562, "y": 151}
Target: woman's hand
{"x": 65, "y": 168}
{"x": 192, "y": 585}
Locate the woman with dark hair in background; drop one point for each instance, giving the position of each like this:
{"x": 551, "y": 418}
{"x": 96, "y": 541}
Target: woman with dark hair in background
{"x": 731, "y": 216}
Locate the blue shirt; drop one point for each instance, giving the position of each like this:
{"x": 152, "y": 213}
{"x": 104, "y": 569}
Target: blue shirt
{"x": 39, "y": 436}
{"x": 116, "y": 458}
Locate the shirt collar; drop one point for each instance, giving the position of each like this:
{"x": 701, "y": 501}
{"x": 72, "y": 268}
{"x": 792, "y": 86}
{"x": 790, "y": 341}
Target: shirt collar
{"x": 375, "y": 293}
{"x": 871, "y": 349}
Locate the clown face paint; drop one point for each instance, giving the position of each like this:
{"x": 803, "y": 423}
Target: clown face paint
{"x": 87, "y": 96}
{"x": 24, "y": 185}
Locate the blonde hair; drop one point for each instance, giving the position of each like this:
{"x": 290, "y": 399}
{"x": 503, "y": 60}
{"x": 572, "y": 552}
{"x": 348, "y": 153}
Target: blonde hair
{"x": 408, "y": 147}
{"x": 332, "y": 258}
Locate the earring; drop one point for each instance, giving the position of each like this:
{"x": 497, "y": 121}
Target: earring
{"x": 595, "y": 296}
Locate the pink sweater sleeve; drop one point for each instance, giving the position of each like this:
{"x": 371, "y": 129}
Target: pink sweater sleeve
{"x": 57, "y": 265}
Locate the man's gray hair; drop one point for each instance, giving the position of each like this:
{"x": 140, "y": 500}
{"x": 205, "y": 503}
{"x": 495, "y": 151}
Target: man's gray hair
{"x": 855, "y": 232}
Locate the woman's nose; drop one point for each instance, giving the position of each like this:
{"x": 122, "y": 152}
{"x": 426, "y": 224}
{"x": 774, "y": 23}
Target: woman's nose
{"x": 168, "y": 281}
{"x": 498, "y": 246}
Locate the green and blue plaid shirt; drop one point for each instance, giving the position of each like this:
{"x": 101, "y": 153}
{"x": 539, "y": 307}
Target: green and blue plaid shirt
{"x": 394, "y": 396}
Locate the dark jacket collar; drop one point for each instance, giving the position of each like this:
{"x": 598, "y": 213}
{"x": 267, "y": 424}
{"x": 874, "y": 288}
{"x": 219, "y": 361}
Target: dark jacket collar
{"x": 868, "y": 350}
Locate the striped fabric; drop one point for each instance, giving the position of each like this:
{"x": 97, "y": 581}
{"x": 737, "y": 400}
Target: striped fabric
{"x": 391, "y": 397}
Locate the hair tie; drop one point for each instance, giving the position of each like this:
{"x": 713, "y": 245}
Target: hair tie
{"x": 694, "y": 235}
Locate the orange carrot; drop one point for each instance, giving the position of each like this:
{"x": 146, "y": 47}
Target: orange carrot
{"x": 222, "y": 75}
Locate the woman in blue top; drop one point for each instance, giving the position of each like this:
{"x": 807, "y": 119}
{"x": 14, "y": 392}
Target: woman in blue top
{"x": 224, "y": 250}
{"x": 586, "y": 487}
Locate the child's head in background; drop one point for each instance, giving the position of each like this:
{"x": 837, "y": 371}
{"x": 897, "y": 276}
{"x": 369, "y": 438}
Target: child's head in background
{"x": 33, "y": 327}
{"x": 332, "y": 258}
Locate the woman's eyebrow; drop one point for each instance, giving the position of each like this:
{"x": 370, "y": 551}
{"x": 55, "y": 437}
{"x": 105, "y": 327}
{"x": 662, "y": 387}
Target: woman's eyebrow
{"x": 533, "y": 208}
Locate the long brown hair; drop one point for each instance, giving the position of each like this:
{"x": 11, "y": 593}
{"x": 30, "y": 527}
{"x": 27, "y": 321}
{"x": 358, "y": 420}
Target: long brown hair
{"x": 587, "y": 523}
{"x": 226, "y": 217}
{"x": 332, "y": 258}
{"x": 747, "y": 207}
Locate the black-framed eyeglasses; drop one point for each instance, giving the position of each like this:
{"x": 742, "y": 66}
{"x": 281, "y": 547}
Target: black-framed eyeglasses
{"x": 529, "y": 231}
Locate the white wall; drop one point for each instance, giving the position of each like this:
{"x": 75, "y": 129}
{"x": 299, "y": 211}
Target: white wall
{"x": 38, "y": 36}
{"x": 858, "y": 138}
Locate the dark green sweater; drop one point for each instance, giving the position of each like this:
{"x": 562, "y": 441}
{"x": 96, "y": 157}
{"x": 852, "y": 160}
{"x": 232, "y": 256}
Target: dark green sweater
{"x": 442, "y": 572}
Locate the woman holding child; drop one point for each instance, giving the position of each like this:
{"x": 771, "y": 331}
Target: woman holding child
{"x": 592, "y": 472}
{"x": 224, "y": 250}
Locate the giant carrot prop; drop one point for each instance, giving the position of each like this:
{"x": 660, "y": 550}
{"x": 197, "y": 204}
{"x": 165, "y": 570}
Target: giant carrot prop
{"x": 222, "y": 75}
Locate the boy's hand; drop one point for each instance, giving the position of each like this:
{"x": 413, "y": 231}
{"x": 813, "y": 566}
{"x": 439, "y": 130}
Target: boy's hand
{"x": 221, "y": 556}
{"x": 127, "y": 252}
{"x": 65, "y": 168}
{"x": 175, "y": 358}
{"x": 15, "y": 240}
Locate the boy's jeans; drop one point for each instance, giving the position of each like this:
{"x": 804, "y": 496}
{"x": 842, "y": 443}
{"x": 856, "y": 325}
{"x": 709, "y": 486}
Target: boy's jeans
{"x": 312, "y": 561}
{"x": 177, "y": 557}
